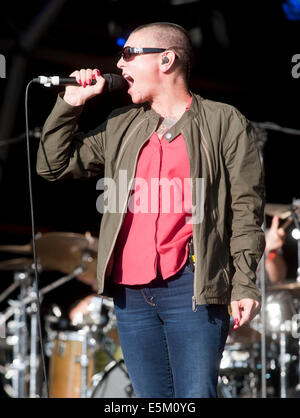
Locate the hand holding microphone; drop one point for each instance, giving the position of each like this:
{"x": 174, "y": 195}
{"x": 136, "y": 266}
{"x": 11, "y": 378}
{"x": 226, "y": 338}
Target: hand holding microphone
{"x": 78, "y": 95}
{"x": 83, "y": 84}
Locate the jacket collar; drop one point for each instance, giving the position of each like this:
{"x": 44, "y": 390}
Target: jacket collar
{"x": 179, "y": 125}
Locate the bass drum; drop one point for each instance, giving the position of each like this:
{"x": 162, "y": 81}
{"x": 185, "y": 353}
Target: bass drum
{"x": 114, "y": 382}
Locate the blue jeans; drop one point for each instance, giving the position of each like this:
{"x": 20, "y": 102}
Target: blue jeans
{"x": 170, "y": 351}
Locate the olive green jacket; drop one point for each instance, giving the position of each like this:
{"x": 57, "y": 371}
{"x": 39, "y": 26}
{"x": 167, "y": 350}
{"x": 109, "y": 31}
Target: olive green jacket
{"x": 228, "y": 238}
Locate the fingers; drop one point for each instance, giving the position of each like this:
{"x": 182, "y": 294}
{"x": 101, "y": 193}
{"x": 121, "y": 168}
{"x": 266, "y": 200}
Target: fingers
{"x": 78, "y": 95}
{"x": 246, "y": 309}
{"x": 243, "y": 311}
{"x": 275, "y": 222}
{"x": 281, "y": 232}
{"x": 235, "y": 312}
{"x": 84, "y": 77}
{"x": 275, "y": 226}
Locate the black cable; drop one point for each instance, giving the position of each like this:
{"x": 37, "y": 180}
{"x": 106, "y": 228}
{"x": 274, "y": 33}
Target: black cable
{"x": 36, "y": 281}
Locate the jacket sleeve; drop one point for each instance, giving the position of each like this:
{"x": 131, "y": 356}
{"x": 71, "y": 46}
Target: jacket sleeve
{"x": 62, "y": 152}
{"x": 247, "y": 199}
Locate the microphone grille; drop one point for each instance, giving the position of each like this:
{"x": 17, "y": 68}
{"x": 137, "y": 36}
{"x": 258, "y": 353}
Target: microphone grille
{"x": 114, "y": 82}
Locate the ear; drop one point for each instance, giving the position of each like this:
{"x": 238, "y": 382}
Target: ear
{"x": 167, "y": 60}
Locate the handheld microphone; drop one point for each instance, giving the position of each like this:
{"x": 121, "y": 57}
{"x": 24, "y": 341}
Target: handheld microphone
{"x": 113, "y": 81}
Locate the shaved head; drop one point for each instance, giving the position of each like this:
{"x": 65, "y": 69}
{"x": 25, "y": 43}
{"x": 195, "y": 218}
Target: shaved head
{"x": 173, "y": 37}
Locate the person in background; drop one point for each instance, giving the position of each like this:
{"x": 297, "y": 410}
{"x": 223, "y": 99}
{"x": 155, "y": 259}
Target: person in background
{"x": 275, "y": 263}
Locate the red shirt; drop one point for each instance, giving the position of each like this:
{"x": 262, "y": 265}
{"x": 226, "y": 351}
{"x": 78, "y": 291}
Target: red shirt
{"x": 156, "y": 229}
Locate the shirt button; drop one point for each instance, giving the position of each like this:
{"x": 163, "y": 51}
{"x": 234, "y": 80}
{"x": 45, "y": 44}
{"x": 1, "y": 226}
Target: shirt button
{"x": 168, "y": 135}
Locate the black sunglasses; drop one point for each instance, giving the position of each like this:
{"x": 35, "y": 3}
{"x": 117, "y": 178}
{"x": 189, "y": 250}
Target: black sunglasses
{"x": 127, "y": 52}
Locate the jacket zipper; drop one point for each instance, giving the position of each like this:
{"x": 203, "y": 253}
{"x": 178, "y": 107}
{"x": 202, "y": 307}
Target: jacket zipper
{"x": 205, "y": 146}
{"x": 126, "y": 202}
{"x": 206, "y": 151}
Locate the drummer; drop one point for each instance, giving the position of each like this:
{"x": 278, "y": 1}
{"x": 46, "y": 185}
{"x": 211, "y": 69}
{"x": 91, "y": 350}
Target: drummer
{"x": 275, "y": 264}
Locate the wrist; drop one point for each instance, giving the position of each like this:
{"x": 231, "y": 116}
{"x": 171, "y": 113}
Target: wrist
{"x": 271, "y": 254}
{"x": 73, "y": 101}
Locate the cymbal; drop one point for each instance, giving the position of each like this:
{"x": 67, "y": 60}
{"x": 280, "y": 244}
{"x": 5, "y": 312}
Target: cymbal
{"x": 62, "y": 251}
{"x": 294, "y": 287}
{"x": 277, "y": 209}
{"x": 283, "y": 211}
{"x": 17, "y": 249}
{"x": 65, "y": 251}
{"x": 16, "y": 264}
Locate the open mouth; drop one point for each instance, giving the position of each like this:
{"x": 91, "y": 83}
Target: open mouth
{"x": 129, "y": 79}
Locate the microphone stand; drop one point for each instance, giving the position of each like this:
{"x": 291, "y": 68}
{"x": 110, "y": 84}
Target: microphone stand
{"x": 261, "y": 139}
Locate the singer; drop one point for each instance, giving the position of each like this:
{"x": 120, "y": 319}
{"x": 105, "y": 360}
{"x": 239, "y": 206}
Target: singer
{"x": 172, "y": 275}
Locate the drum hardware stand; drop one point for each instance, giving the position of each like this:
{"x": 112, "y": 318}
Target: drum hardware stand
{"x": 223, "y": 387}
{"x": 261, "y": 136}
{"x": 20, "y": 339}
{"x": 263, "y": 325}
{"x": 282, "y": 361}
{"x": 33, "y": 360}
{"x": 295, "y": 219}
{"x": 283, "y": 356}
{"x": 84, "y": 361}
{"x": 18, "y": 327}
{"x": 20, "y": 334}
{"x": 9, "y": 290}
{"x": 43, "y": 291}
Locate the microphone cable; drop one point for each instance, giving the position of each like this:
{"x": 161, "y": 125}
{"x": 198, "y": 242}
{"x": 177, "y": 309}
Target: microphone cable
{"x": 36, "y": 278}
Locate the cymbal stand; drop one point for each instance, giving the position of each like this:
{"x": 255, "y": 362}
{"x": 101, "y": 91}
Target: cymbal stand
{"x": 18, "y": 328}
{"x": 62, "y": 280}
{"x": 8, "y": 291}
{"x": 282, "y": 361}
{"x": 34, "y": 339}
{"x": 29, "y": 299}
{"x": 295, "y": 219}
{"x": 263, "y": 346}
{"x": 261, "y": 138}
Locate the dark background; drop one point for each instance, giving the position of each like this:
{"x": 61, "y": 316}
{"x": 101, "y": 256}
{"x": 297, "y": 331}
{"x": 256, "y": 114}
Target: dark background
{"x": 243, "y": 57}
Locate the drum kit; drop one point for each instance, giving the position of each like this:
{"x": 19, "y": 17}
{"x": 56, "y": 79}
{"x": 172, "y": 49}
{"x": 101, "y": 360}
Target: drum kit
{"x": 241, "y": 364}
{"x": 277, "y": 328}
{"x": 84, "y": 358}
